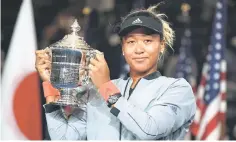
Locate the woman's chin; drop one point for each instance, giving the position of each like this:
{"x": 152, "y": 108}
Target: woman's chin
{"x": 140, "y": 70}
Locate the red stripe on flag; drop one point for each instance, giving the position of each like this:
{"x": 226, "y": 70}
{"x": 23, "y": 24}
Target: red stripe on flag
{"x": 202, "y": 107}
{"x": 194, "y": 88}
{"x": 211, "y": 126}
{"x": 222, "y": 116}
{"x": 203, "y": 81}
{"x": 223, "y": 76}
{"x": 196, "y": 125}
{"x": 223, "y": 96}
{"x": 194, "y": 128}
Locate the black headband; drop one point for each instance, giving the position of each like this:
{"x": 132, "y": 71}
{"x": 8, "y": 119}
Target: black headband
{"x": 141, "y": 21}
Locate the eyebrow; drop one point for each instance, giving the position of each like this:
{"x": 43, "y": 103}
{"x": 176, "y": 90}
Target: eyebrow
{"x": 145, "y": 35}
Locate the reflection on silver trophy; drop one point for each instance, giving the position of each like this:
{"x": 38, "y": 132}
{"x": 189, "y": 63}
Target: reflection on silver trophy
{"x": 69, "y": 73}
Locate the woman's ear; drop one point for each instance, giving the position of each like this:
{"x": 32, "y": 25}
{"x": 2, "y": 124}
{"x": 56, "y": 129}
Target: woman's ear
{"x": 123, "y": 53}
{"x": 162, "y": 46}
{"x": 122, "y": 47}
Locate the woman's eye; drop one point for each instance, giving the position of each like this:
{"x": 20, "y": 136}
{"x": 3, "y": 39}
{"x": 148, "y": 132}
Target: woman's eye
{"x": 147, "y": 41}
{"x": 130, "y": 42}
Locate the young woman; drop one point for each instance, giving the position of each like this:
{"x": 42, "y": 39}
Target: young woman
{"x": 143, "y": 106}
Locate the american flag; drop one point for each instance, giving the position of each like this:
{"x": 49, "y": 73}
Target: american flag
{"x": 211, "y": 95}
{"x": 184, "y": 67}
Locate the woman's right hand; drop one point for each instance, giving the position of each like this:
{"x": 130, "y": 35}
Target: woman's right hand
{"x": 43, "y": 63}
{"x": 43, "y": 66}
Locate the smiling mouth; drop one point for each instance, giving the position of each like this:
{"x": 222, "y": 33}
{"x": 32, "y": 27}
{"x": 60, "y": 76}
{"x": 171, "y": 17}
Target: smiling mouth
{"x": 139, "y": 59}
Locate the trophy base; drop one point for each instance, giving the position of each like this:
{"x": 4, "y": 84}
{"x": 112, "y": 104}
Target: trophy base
{"x": 67, "y": 100}
{"x": 62, "y": 103}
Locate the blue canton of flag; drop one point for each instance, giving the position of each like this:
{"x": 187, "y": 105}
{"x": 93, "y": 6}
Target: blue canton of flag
{"x": 184, "y": 66}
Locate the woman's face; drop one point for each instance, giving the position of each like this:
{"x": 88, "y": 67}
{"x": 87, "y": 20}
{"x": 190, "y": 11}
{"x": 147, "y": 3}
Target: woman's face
{"x": 141, "y": 51}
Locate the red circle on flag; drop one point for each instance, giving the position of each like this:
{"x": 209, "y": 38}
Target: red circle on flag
{"x": 27, "y": 107}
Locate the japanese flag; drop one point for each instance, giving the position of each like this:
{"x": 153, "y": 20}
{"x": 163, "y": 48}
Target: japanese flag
{"x": 21, "y": 104}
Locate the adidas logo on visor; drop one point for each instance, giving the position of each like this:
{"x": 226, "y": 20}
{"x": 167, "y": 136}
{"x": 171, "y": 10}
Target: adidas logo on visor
{"x": 137, "y": 21}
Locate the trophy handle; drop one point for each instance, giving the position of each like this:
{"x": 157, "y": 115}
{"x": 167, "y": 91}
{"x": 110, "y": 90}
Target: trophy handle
{"x": 49, "y": 53}
{"x": 88, "y": 55}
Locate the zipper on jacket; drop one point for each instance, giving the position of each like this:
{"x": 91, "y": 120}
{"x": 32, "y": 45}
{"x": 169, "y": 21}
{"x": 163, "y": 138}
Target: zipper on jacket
{"x": 130, "y": 92}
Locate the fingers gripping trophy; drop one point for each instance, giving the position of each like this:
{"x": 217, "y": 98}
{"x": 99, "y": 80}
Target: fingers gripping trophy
{"x": 69, "y": 59}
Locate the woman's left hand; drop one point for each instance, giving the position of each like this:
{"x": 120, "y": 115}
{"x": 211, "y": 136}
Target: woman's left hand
{"x": 98, "y": 70}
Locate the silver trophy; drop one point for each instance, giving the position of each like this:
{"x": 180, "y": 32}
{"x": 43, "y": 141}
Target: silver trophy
{"x": 69, "y": 72}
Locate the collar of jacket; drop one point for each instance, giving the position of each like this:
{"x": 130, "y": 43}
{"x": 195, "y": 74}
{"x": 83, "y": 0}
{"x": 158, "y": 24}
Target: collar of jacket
{"x": 151, "y": 76}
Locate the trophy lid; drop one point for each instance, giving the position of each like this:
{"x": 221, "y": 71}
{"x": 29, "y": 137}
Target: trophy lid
{"x": 72, "y": 40}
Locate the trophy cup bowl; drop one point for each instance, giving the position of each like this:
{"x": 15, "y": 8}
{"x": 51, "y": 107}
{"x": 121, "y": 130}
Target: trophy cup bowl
{"x": 69, "y": 73}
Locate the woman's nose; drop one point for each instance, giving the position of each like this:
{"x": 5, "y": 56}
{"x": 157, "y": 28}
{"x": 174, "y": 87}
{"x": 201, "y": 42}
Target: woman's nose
{"x": 139, "y": 48}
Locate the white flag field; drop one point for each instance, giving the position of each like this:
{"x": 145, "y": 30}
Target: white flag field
{"x": 20, "y": 97}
